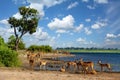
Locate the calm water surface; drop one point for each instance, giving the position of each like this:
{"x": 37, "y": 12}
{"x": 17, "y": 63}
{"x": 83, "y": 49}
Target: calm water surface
{"x": 113, "y": 59}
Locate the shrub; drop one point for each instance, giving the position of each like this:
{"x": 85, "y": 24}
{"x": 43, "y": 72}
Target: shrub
{"x": 43, "y": 48}
{"x": 8, "y": 57}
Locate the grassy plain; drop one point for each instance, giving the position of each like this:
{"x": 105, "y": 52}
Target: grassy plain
{"x": 95, "y": 51}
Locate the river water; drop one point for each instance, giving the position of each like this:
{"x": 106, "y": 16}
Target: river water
{"x": 112, "y": 58}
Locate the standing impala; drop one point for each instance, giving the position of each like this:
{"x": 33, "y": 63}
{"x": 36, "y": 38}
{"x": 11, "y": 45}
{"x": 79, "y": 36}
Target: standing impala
{"x": 86, "y": 66}
{"x": 107, "y": 65}
{"x": 43, "y": 64}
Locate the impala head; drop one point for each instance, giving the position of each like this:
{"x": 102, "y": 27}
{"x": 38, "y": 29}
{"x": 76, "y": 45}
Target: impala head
{"x": 99, "y": 61}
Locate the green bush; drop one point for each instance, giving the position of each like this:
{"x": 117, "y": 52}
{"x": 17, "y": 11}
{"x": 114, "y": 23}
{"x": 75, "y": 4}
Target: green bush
{"x": 43, "y": 48}
{"x": 8, "y": 57}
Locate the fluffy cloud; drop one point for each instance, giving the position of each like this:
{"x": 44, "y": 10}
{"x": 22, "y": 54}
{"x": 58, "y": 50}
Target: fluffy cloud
{"x": 79, "y": 28}
{"x": 99, "y": 24}
{"x": 81, "y": 40}
{"x": 87, "y": 31}
{"x": 40, "y": 4}
{"x": 84, "y": 43}
{"x": 111, "y": 44}
{"x": 19, "y": 1}
{"x": 40, "y": 34}
{"x": 47, "y": 3}
{"x": 112, "y": 40}
{"x": 88, "y": 20}
{"x": 108, "y": 36}
{"x": 62, "y": 25}
{"x": 101, "y": 1}
{"x": 72, "y": 5}
{"x": 17, "y": 15}
{"x": 95, "y": 26}
{"x": 4, "y": 22}
{"x": 90, "y": 7}
{"x": 40, "y": 37}
{"x": 85, "y": 1}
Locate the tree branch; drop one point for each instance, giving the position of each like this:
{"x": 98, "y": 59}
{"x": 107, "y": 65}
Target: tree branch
{"x": 15, "y": 32}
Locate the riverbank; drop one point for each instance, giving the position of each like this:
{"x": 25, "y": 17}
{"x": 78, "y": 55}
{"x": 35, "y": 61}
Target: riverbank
{"x": 23, "y": 74}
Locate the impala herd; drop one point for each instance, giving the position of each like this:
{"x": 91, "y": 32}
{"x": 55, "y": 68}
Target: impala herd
{"x": 86, "y": 67}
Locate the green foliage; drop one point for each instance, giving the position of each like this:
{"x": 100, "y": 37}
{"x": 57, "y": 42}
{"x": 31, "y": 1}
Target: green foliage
{"x": 27, "y": 24}
{"x": 43, "y": 48}
{"x": 11, "y": 43}
{"x": 2, "y": 41}
{"x": 8, "y": 57}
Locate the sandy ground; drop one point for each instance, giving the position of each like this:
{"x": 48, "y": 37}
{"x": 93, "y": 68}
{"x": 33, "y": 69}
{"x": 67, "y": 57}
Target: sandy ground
{"x": 23, "y": 73}
{"x": 19, "y": 74}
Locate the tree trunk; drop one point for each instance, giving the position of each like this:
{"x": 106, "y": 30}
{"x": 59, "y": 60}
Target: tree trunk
{"x": 16, "y": 44}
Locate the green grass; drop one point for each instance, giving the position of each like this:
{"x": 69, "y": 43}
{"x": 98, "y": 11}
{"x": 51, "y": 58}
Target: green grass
{"x": 95, "y": 51}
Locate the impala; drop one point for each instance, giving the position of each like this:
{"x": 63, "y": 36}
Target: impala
{"x": 31, "y": 62}
{"x": 107, "y": 65}
{"x": 72, "y": 63}
{"x": 43, "y": 64}
{"x": 86, "y": 65}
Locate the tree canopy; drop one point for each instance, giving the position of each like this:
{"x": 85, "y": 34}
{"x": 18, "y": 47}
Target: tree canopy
{"x": 27, "y": 24}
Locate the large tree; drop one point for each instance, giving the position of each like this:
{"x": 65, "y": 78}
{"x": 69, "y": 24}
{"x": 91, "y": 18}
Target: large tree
{"x": 27, "y": 24}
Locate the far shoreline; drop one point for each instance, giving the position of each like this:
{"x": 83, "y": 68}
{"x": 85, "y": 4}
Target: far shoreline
{"x": 95, "y": 51}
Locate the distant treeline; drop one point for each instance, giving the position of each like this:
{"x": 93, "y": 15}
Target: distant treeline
{"x": 81, "y": 48}
{"x": 43, "y": 48}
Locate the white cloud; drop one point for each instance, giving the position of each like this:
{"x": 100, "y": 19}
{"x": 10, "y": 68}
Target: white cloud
{"x": 95, "y": 26}
{"x": 87, "y": 31}
{"x": 19, "y": 1}
{"x": 38, "y": 7}
{"x": 62, "y": 31}
{"x": 118, "y": 35}
{"x": 112, "y": 41}
{"x": 62, "y": 25}
{"x": 90, "y": 7}
{"x": 99, "y": 24}
{"x": 101, "y": 1}
{"x": 47, "y": 3}
{"x": 72, "y": 5}
{"x": 111, "y": 44}
{"x": 84, "y": 43}
{"x": 40, "y": 4}
{"x": 17, "y": 15}
{"x": 58, "y": 35}
{"x": 4, "y": 21}
{"x": 111, "y": 35}
{"x": 81, "y": 40}
{"x": 41, "y": 35}
{"x": 88, "y": 20}
{"x": 79, "y": 28}
{"x": 85, "y": 1}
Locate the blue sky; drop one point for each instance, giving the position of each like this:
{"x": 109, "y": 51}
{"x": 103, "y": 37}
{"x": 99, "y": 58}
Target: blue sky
{"x": 68, "y": 23}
